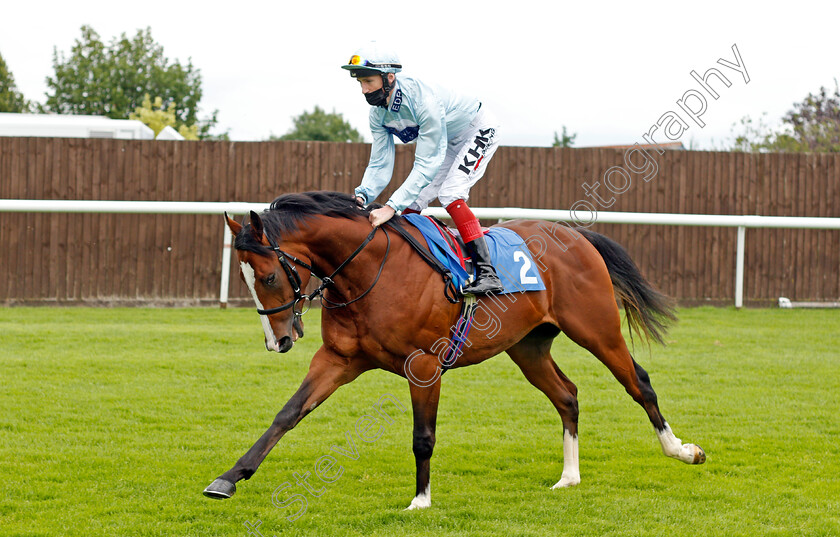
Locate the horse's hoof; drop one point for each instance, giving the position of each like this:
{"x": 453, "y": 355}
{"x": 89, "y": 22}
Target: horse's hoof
{"x": 220, "y": 489}
{"x": 699, "y": 455}
{"x": 566, "y": 482}
{"x": 421, "y": 501}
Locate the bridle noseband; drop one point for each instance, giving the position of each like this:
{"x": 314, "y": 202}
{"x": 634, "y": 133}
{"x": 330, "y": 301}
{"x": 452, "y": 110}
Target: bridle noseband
{"x": 295, "y": 281}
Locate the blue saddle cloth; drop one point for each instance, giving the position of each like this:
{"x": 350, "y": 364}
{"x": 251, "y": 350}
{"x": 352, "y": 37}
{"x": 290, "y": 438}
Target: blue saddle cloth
{"x": 508, "y": 253}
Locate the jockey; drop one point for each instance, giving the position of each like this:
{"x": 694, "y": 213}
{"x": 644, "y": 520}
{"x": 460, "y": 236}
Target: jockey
{"x": 455, "y": 136}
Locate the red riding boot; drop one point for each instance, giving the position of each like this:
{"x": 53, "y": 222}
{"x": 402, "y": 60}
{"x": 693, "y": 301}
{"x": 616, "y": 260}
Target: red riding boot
{"x": 486, "y": 280}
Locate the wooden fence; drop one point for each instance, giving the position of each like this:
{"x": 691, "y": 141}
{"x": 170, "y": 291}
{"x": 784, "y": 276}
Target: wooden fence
{"x": 150, "y": 259}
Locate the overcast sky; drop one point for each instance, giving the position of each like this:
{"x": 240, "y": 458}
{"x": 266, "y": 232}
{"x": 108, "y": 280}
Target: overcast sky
{"x": 606, "y": 70}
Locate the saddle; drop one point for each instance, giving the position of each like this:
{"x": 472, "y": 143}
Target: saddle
{"x": 446, "y": 253}
{"x": 453, "y": 237}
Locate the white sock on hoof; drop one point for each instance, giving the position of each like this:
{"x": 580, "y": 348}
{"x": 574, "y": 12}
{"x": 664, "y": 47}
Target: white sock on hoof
{"x": 423, "y": 500}
{"x": 673, "y": 446}
{"x": 571, "y": 468}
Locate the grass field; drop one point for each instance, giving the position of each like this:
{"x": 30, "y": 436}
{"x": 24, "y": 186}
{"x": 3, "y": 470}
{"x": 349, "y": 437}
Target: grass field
{"x": 112, "y": 421}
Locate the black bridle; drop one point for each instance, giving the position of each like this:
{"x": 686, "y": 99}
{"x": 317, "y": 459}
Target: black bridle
{"x": 295, "y": 281}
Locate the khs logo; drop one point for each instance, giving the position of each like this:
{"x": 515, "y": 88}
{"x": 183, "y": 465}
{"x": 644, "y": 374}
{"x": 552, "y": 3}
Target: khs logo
{"x": 477, "y": 152}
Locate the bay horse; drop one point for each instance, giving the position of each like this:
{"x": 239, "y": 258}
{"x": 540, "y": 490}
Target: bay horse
{"x": 383, "y": 307}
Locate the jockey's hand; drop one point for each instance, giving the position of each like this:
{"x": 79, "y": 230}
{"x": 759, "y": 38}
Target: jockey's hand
{"x": 360, "y": 201}
{"x": 381, "y": 215}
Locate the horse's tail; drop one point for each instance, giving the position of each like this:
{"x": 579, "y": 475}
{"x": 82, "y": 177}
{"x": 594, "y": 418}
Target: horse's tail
{"x": 648, "y": 311}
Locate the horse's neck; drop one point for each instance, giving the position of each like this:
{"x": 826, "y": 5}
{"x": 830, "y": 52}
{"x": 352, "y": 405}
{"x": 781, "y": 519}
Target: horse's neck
{"x": 383, "y": 263}
{"x": 331, "y": 241}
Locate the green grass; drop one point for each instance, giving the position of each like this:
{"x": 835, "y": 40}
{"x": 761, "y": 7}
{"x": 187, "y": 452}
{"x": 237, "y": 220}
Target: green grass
{"x": 112, "y": 422}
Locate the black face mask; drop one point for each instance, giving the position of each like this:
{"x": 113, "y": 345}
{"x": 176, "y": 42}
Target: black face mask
{"x": 380, "y": 96}
{"x": 377, "y": 98}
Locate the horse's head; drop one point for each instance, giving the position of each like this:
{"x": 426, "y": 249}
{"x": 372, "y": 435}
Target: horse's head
{"x": 274, "y": 282}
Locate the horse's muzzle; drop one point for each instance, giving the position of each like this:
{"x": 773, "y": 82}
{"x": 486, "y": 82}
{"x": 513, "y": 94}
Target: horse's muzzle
{"x": 285, "y": 344}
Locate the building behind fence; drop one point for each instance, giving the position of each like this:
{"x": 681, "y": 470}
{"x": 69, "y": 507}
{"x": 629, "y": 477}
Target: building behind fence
{"x": 169, "y": 259}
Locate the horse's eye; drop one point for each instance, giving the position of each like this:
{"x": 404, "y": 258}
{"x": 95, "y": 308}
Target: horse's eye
{"x": 269, "y": 280}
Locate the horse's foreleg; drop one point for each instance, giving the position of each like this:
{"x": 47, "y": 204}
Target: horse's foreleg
{"x": 424, "y": 403}
{"x": 326, "y": 374}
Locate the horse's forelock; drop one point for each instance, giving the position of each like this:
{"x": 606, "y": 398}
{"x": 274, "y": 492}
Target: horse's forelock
{"x": 246, "y": 241}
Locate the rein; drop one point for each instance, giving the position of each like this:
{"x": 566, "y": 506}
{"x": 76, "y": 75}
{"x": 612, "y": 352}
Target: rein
{"x": 295, "y": 281}
{"x": 328, "y": 280}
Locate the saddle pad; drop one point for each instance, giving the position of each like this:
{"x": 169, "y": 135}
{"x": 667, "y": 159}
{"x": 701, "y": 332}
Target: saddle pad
{"x": 440, "y": 248}
{"x": 508, "y": 253}
{"x": 512, "y": 261}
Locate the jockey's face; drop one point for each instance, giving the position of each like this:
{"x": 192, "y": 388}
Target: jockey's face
{"x": 373, "y": 83}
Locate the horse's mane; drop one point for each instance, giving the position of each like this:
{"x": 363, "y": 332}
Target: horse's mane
{"x": 287, "y": 212}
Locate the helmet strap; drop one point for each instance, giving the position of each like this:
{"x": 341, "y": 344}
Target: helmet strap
{"x": 386, "y": 85}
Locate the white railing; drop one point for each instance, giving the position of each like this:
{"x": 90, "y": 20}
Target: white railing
{"x": 507, "y": 213}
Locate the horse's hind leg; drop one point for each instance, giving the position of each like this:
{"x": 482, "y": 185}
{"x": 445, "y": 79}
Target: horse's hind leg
{"x": 671, "y": 445}
{"x": 602, "y": 337}
{"x": 533, "y": 357}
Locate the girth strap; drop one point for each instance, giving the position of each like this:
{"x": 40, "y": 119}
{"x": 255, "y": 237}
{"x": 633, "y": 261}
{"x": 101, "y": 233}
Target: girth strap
{"x": 460, "y": 332}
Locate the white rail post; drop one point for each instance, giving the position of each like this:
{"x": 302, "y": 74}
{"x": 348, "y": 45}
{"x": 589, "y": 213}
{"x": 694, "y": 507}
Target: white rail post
{"x": 226, "y": 250}
{"x": 739, "y": 268}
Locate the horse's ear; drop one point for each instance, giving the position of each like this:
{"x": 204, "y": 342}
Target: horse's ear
{"x": 234, "y": 226}
{"x": 257, "y": 227}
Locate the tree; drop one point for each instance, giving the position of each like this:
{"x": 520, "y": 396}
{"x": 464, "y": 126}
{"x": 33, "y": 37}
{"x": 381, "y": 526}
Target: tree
{"x": 157, "y": 119}
{"x": 11, "y": 100}
{"x": 752, "y": 136}
{"x": 813, "y": 125}
{"x": 320, "y": 126}
{"x": 112, "y": 80}
{"x": 566, "y": 140}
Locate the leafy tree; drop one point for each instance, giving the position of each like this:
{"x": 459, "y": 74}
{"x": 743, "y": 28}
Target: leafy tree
{"x": 816, "y": 122}
{"x": 11, "y": 100}
{"x": 752, "y": 136}
{"x": 813, "y": 125}
{"x": 112, "y": 80}
{"x": 320, "y": 126}
{"x": 565, "y": 141}
{"x": 157, "y": 119}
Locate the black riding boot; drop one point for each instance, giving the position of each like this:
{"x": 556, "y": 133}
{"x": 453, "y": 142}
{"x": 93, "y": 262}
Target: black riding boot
{"x": 486, "y": 280}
